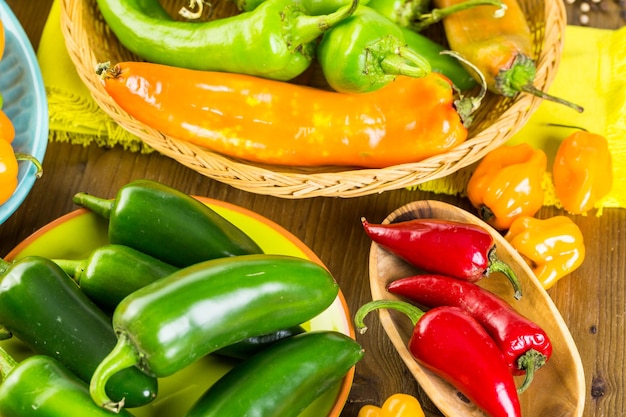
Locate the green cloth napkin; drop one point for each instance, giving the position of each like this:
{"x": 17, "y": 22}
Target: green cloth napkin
{"x": 592, "y": 73}
{"x": 74, "y": 115}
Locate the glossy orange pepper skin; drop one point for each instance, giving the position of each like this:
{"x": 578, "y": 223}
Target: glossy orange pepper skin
{"x": 281, "y": 123}
{"x": 507, "y": 184}
{"x": 582, "y": 171}
{"x": 8, "y": 171}
{"x": 7, "y": 130}
{"x": 397, "y": 405}
{"x": 553, "y": 247}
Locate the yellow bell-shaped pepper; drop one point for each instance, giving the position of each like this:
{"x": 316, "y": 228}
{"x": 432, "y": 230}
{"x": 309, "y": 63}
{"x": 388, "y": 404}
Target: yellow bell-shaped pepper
{"x": 553, "y": 247}
{"x": 397, "y": 405}
{"x": 582, "y": 171}
{"x": 507, "y": 184}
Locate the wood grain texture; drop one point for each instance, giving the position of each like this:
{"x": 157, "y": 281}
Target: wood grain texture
{"x": 591, "y": 300}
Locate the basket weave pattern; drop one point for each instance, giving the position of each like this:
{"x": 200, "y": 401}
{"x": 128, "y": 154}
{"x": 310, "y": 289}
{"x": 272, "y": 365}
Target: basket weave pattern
{"x": 89, "y": 42}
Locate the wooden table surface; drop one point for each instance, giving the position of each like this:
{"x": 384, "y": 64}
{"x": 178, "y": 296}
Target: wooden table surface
{"x": 592, "y": 300}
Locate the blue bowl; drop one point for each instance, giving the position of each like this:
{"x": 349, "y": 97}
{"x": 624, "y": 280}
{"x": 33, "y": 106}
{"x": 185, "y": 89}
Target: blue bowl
{"x": 21, "y": 86}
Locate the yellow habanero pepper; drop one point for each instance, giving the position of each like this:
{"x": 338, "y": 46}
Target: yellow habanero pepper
{"x": 553, "y": 247}
{"x": 582, "y": 171}
{"x": 397, "y": 405}
{"x": 507, "y": 184}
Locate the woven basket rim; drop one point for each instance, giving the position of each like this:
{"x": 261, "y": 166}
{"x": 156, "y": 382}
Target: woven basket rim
{"x": 339, "y": 181}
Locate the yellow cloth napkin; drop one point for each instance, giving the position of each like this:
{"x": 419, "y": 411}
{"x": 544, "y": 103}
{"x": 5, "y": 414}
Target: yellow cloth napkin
{"x": 74, "y": 115}
{"x": 592, "y": 73}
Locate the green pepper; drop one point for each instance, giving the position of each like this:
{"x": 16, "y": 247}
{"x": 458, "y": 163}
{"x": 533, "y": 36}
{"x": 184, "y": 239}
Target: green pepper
{"x": 42, "y": 307}
{"x": 176, "y": 320}
{"x": 365, "y": 52}
{"x": 252, "y": 345}
{"x": 40, "y": 386}
{"x": 168, "y": 224}
{"x": 417, "y": 15}
{"x": 276, "y": 40}
{"x": 441, "y": 63}
{"x": 111, "y": 272}
{"x": 282, "y": 380}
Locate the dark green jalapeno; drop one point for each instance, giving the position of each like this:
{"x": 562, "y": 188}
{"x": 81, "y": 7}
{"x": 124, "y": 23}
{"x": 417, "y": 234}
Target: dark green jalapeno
{"x": 282, "y": 380}
{"x": 111, "y": 272}
{"x": 252, "y": 345}
{"x": 40, "y": 386}
{"x": 176, "y": 320}
{"x": 168, "y": 224}
{"x": 365, "y": 52}
{"x": 43, "y": 308}
{"x": 276, "y": 40}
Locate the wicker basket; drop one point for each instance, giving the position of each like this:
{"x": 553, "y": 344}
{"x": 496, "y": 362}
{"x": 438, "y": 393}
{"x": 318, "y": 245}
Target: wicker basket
{"x": 89, "y": 41}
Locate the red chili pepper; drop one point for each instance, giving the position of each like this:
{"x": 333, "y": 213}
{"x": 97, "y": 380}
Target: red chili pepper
{"x": 457, "y": 348}
{"x": 524, "y": 344}
{"x": 459, "y": 250}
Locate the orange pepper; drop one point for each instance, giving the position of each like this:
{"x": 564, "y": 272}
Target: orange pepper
{"x": 7, "y": 130}
{"x": 507, "y": 184}
{"x": 281, "y": 123}
{"x": 8, "y": 171}
{"x": 397, "y": 405}
{"x": 582, "y": 171}
{"x": 553, "y": 247}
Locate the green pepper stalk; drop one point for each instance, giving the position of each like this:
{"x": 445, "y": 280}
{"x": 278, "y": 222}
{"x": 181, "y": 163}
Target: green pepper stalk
{"x": 365, "y": 52}
{"x": 167, "y": 224}
{"x": 276, "y": 40}
{"x": 43, "y": 308}
{"x": 198, "y": 310}
{"x": 40, "y": 386}
{"x": 282, "y": 380}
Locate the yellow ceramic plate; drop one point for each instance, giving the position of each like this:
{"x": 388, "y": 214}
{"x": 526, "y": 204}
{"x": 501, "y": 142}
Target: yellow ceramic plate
{"x": 76, "y": 234}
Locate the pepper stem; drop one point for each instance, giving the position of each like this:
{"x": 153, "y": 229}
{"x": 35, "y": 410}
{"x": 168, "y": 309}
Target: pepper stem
{"x": 530, "y": 362}
{"x": 520, "y": 77}
{"x": 20, "y": 156}
{"x": 98, "y": 205}
{"x": 405, "y": 61}
{"x": 414, "y": 313}
{"x": 467, "y": 106}
{"x": 123, "y": 355}
{"x": 307, "y": 28}
{"x": 7, "y": 363}
{"x": 497, "y": 265}
{"x": 436, "y": 15}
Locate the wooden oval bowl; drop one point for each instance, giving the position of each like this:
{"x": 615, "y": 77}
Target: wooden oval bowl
{"x": 558, "y": 389}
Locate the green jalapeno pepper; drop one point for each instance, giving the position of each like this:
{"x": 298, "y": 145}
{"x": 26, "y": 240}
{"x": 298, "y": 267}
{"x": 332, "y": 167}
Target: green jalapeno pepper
{"x": 365, "y": 52}
{"x": 42, "y": 307}
{"x": 167, "y": 224}
{"x": 40, "y": 386}
{"x": 282, "y": 380}
{"x": 174, "y": 321}
{"x": 111, "y": 272}
{"x": 276, "y": 40}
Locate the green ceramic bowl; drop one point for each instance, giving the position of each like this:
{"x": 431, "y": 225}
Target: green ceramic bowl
{"x": 76, "y": 234}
